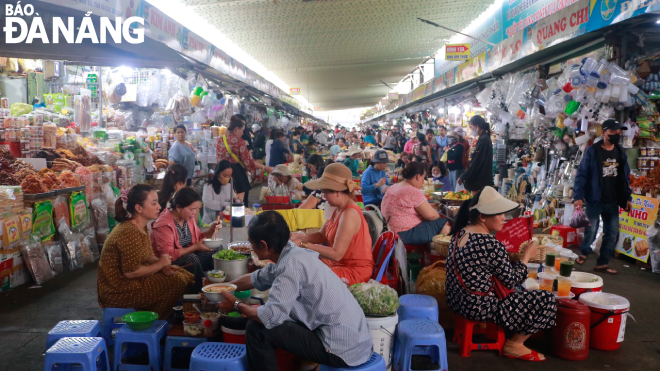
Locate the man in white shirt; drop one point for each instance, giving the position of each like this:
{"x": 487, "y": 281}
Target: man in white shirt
{"x": 322, "y": 137}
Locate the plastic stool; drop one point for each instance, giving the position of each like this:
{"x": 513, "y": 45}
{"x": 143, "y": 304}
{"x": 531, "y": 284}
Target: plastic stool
{"x": 219, "y": 356}
{"x": 178, "y": 342}
{"x": 410, "y": 248}
{"x": 151, "y": 337}
{"x": 419, "y": 337}
{"x": 109, "y": 315}
{"x": 90, "y": 352}
{"x": 463, "y": 336}
{"x": 67, "y": 329}
{"x": 375, "y": 363}
{"x": 413, "y": 306}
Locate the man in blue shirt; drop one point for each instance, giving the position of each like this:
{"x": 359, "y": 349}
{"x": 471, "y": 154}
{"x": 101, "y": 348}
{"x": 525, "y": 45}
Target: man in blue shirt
{"x": 278, "y": 150}
{"x": 374, "y": 179}
{"x": 442, "y": 141}
{"x": 341, "y": 144}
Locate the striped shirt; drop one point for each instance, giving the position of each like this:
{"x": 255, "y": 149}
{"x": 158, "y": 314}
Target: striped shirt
{"x": 185, "y": 237}
{"x": 304, "y": 290}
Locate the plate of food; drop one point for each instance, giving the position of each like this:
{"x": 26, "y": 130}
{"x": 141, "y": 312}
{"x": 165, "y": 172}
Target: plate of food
{"x": 628, "y": 242}
{"x": 641, "y": 249}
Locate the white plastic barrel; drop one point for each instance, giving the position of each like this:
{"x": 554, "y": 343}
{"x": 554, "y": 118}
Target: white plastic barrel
{"x": 382, "y": 332}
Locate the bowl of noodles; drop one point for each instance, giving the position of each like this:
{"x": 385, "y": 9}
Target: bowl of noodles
{"x": 214, "y": 292}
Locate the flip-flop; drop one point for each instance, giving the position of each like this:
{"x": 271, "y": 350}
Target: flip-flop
{"x": 581, "y": 259}
{"x": 606, "y": 270}
{"x": 532, "y": 357}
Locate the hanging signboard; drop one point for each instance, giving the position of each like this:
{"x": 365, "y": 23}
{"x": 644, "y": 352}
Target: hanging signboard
{"x": 418, "y": 93}
{"x": 455, "y": 52}
{"x": 393, "y": 96}
{"x": 160, "y": 27}
{"x": 475, "y": 67}
{"x": 439, "y": 84}
{"x": 563, "y": 25}
{"x": 195, "y": 46}
{"x": 633, "y": 226}
{"x": 294, "y": 91}
{"x": 219, "y": 60}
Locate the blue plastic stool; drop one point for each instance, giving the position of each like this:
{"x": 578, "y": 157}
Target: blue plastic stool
{"x": 90, "y": 352}
{"x": 69, "y": 329}
{"x": 150, "y": 337}
{"x": 179, "y": 342}
{"x": 109, "y": 315}
{"x": 219, "y": 356}
{"x": 375, "y": 363}
{"x": 414, "y": 306}
{"x": 419, "y": 337}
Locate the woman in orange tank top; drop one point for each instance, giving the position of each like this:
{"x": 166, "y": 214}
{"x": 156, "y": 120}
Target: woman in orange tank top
{"x": 348, "y": 253}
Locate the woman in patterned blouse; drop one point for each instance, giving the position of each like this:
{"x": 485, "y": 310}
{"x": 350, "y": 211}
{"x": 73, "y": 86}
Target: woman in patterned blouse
{"x": 476, "y": 258}
{"x": 233, "y": 148}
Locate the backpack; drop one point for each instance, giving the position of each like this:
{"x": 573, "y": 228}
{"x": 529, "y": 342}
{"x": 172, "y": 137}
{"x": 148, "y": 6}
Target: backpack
{"x": 375, "y": 221}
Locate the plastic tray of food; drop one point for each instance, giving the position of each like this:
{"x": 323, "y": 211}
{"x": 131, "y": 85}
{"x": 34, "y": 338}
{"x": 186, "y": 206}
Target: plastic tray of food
{"x": 38, "y": 196}
{"x": 70, "y": 190}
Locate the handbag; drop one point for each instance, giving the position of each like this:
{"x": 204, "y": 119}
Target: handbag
{"x": 444, "y": 157}
{"x": 501, "y": 291}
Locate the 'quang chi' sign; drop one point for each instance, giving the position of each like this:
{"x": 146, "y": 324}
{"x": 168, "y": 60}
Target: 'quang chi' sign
{"x": 633, "y": 226}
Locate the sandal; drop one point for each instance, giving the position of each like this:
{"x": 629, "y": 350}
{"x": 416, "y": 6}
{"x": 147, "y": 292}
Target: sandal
{"x": 532, "y": 357}
{"x": 606, "y": 269}
{"x": 581, "y": 259}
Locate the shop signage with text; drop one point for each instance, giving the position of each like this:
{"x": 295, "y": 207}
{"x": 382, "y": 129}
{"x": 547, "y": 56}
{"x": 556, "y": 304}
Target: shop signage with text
{"x": 457, "y": 52}
{"x": 294, "y": 91}
{"x": 633, "y": 226}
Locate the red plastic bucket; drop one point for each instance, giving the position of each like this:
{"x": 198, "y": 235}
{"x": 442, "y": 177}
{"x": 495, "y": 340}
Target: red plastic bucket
{"x": 608, "y": 319}
{"x": 585, "y": 282}
{"x": 233, "y": 336}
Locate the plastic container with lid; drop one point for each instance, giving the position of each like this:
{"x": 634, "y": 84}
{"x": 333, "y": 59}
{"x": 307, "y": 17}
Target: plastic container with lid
{"x": 608, "y": 319}
{"x": 570, "y": 336}
{"x": 243, "y": 296}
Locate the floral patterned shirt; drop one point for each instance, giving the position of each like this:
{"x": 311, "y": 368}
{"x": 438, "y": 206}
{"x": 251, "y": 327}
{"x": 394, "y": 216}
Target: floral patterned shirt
{"x": 239, "y": 147}
{"x": 399, "y": 205}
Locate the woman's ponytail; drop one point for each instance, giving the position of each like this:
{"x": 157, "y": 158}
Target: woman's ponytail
{"x": 121, "y": 215}
{"x": 465, "y": 216}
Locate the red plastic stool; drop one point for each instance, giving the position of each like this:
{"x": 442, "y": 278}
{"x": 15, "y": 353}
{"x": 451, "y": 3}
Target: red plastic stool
{"x": 463, "y": 336}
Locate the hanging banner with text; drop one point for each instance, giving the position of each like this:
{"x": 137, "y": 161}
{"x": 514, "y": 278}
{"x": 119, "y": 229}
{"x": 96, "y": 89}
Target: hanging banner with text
{"x": 632, "y": 227}
{"x": 455, "y": 52}
{"x": 563, "y": 25}
{"x": 159, "y": 26}
{"x": 196, "y": 47}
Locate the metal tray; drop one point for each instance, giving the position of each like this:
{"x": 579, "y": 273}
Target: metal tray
{"x": 69, "y": 190}
{"x": 38, "y": 196}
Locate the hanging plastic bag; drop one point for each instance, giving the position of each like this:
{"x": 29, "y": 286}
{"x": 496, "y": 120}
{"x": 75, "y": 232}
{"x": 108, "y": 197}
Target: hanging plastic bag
{"x": 579, "y": 219}
{"x": 375, "y": 298}
{"x": 36, "y": 261}
{"x": 73, "y": 253}
{"x": 53, "y": 252}
{"x": 653, "y": 240}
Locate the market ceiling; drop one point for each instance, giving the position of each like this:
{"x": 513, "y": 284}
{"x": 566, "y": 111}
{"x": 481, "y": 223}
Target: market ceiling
{"x": 338, "y": 51}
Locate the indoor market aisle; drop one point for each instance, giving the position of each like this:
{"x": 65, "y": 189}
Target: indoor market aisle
{"x": 27, "y": 314}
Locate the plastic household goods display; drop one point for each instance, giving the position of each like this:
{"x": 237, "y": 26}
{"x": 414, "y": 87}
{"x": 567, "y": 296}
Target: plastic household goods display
{"x": 42, "y": 217}
{"x": 375, "y": 298}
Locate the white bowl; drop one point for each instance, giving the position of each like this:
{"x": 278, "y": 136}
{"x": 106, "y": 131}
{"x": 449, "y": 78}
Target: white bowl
{"x": 217, "y": 297}
{"x": 213, "y": 244}
{"x": 215, "y": 279}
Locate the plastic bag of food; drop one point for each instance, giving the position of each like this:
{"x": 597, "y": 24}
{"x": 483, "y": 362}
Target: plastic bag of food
{"x": 20, "y": 109}
{"x": 580, "y": 219}
{"x": 375, "y": 298}
{"x": 61, "y": 210}
{"x": 53, "y": 252}
{"x": 11, "y": 231}
{"x": 36, "y": 261}
{"x": 431, "y": 281}
{"x": 73, "y": 253}
{"x": 25, "y": 222}
{"x": 42, "y": 219}
{"x": 89, "y": 244}
{"x": 78, "y": 209}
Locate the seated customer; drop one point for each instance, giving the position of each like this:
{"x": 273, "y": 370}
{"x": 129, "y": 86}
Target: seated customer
{"x": 281, "y": 176}
{"x": 175, "y": 178}
{"x": 374, "y": 178}
{"x": 129, "y": 274}
{"x": 407, "y": 210}
{"x": 218, "y": 193}
{"x": 352, "y": 160}
{"x": 476, "y": 257}
{"x": 309, "y": 313}
{"x": 175, "y": 233}
{"x": 348, "y": 253}
{"x": 439, "y": 172}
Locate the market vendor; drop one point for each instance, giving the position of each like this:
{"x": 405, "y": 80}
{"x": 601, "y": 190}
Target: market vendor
{"x": 218, "y": 193}
{"x": 129, "y": 274}
{"x": 348, "y": 253}
{"x": 454, "y": 158}
{"x": 281, "y": 176}
{"x": 233, "y": 148}
{"x": 183, "y": 153}
{"x": 352, "y": 160}
{"x": 408, "y": 212}
{"x": 315, "y": 167}
{"x": 175, "y": 234}
{"x": 479, "y": 172}
{"x": 309, "y": 313}
{"x": 175, "y": 179}
{"x": 369, "y": 138}
{"x": 335, "y": 149}
{"x": 374, "y": 179}
{"x": 476, "y": 258}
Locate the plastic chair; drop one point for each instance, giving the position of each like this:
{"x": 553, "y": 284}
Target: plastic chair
{"x": 109, "y": 324}
{"x": 464, "y": 329}
{"x": 413, "y": 306}
{"x": 68, "y": 329}
{"x": 89, "y": 352}
{"x": 173, "y": 342}
{"x": 219, "y": 356}
{"x": 419, "y": 337}
{"x": 375, "y": 363}
{"x": 150, "y": 337}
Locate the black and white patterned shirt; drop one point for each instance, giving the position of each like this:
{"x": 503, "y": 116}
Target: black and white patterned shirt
{"x": 185, "y": 237}
{"x": 304, "y": 290}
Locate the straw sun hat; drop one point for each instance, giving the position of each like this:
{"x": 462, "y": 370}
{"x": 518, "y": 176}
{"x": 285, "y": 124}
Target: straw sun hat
{"x": 492, "y": 203}
{"x": 336, "y": 177}
{"x": 282, "y": 170}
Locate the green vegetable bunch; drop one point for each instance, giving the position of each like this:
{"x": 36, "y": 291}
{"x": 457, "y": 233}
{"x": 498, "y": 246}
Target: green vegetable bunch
{"x": 375, "y": 298}
{"x": 229, "y": 255}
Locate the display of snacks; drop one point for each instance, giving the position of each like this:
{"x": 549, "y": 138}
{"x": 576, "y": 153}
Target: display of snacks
{"x": 69, "y": 180}
{"x": 32, "y": 184}
{"x": 61, "y": 164}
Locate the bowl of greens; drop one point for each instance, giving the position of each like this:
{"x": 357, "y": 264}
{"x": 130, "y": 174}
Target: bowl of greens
{"x": 216, "y": 276}
{"x": 233, "y": 263}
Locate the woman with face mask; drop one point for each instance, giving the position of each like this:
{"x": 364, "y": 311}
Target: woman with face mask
{"x": 175, "y": 233}
{"x": 454, "y": 158}
{"x": 479, "y": 172}
{"x": 218, "y": 193}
